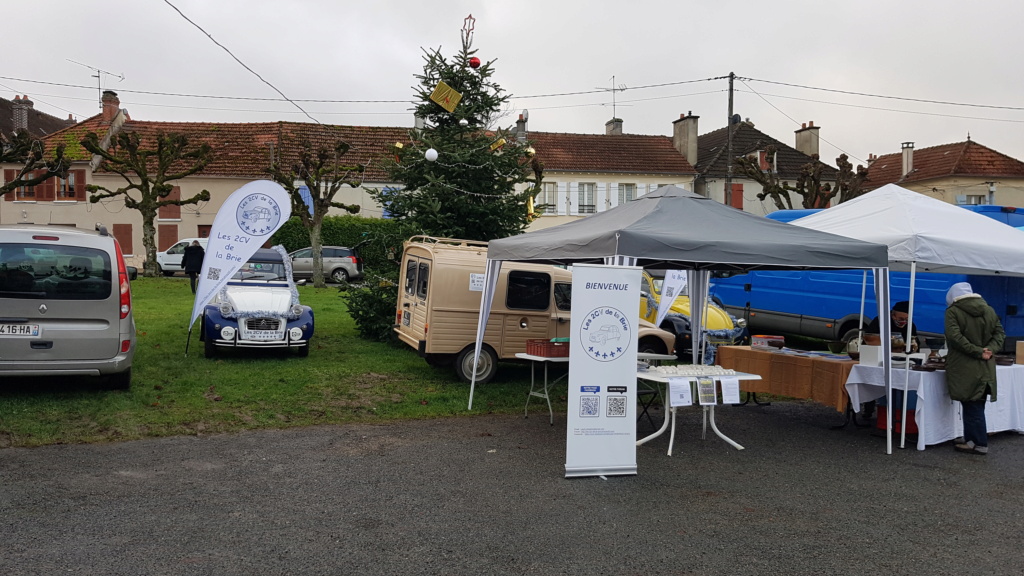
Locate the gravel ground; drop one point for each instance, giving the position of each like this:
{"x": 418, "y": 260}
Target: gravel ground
{"x": 486, "y": 495}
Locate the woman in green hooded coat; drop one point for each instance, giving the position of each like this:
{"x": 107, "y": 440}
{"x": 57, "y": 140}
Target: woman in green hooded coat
{"x": 973, "y": 334}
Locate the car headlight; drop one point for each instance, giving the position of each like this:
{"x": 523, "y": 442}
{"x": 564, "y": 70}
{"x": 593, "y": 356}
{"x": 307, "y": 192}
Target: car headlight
{"x": 225, "y": 308}
{"x": 296, "y": 309}
{"x": 227, "y": 333}
{"x": 295, "y": 333}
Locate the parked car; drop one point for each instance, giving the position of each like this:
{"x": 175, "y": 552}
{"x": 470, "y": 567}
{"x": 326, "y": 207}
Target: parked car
{"x": 439, "y": 306}
{"x": 341, "y": 264}
{"x": 169, "y": 261}
{"x": 258, "y": 308}
{"x": 66, "y": 304}
{"x": 723, "y": 329}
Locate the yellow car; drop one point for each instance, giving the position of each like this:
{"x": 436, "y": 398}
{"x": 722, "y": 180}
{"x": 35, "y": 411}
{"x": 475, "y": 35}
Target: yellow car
{"x": 722, "y": 328}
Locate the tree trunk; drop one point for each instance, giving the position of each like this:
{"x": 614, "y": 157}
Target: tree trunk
{"x": 149, "y": 268}
{"x": 317, "y": 245}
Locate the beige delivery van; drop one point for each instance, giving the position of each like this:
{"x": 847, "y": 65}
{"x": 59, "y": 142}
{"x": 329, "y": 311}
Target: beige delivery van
{"x": 441, "y": 283}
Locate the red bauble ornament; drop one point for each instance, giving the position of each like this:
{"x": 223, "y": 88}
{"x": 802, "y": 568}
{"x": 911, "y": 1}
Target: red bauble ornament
{"x": 474, "y": 62}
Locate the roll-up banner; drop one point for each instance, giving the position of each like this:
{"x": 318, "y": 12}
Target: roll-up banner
{"x": 244, "y": 223}
{"x": 601, "y": 430}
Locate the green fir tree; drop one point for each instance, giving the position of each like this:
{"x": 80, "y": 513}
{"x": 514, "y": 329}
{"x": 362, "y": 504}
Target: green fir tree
{"x": 470, "y": 190}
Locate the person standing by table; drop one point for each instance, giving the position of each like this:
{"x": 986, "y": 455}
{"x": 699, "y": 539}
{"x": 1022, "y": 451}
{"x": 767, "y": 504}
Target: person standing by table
{"x": 192, "y": 262}
{"x": 899, "y": 317}
{"x": 973, "y": 334}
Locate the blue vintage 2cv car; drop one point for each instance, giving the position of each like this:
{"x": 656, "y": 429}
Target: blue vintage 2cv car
{"x": 259, "y": 308}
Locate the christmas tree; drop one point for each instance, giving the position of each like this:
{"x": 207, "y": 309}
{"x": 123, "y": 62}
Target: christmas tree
{"x": 459, "y": 172}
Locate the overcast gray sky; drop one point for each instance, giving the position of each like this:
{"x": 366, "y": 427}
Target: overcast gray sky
{"x": 938, "y": 50}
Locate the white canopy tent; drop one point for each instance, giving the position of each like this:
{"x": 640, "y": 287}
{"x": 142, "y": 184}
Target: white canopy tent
{"x": 924, "y": 234}
{"x": 674, "y": 228}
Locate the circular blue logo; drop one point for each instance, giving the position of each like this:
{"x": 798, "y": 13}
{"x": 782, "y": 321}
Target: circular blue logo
{"x": 605, "y": 333}
{"x": 258, "y": 214}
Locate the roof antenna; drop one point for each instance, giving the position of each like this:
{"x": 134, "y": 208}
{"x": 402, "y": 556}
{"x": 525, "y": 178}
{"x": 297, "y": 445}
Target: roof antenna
{"x": 99, "y": 76}
{"x": 615, "y": 88}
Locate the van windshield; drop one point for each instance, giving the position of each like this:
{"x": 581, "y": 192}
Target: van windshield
{"x": 54, "y": 272}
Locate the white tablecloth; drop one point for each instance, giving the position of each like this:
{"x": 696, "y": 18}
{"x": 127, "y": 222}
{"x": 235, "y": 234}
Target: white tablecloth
{"x": 938, "y": 417}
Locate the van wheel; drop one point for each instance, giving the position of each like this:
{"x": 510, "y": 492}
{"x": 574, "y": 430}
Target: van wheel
{"x": 849, "y": 333}
{"x": 651, "y": 346}
{"x": 487, "y": 366}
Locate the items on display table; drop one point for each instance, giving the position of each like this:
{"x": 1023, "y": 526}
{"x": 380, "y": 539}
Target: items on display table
{"x": 690, "y": 370}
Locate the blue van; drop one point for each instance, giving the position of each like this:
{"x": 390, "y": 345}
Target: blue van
{"x": 826, "y": 303}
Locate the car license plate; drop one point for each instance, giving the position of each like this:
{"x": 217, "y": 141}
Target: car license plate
{"x": 264, "y": 335}
{"x": 29, "y": 330}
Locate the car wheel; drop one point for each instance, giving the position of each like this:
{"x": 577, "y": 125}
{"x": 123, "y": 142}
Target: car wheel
{"x": 121, "y": 380}
{"x": 165, "y": 272}
{"x": 651, "y": 346}
{"x": 339, "y": 275}
{"x": 487, "y": 366}
{"x": 209, "y": 348}
{"x": 304, "y": 350}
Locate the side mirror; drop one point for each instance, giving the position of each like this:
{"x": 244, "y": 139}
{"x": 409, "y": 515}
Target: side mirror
{"x": 301, "y": 283}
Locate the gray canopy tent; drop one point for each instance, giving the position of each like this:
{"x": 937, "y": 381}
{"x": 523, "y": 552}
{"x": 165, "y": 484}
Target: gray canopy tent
{"x": 673, "y": 228}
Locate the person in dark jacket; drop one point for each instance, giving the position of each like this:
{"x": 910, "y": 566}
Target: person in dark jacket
{"x": 973, "y": 334}
{"x": 898, "y": 317}
{"x": 192, "y": 262}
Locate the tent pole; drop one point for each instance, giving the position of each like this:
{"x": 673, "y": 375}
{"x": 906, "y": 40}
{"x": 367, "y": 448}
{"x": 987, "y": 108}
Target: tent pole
{"x": 908, "y": 338}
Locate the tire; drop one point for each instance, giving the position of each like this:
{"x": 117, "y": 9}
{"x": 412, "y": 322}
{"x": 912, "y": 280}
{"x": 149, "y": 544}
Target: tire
{"x": 848, "y": 333}
{"x": 339, "y": 275}
{"x": 651, "y": 346}
{"x": 166, "y": 272}
{"x": 304, "y": 350}
{"x": 487, "y": 367}
{"x": 120, "y": 381}
{"x": 209, "y": 348}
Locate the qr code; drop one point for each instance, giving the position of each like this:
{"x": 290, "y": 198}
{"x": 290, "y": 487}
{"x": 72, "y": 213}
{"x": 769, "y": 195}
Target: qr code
{"x": 616, "y": 406}
{"x": 590, "y": 406}
{"x": 213, "y": 274}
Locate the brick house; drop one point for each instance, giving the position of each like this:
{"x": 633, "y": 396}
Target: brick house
{"x": 958, "y": 173}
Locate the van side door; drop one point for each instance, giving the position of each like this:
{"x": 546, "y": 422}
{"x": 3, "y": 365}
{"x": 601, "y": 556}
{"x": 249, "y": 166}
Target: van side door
{"x": 412, "y": 298}
{"x": 528, "y": 298}
{"x": 560, "y": 314}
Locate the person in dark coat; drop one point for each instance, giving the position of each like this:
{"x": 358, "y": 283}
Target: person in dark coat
{"x": 898, "y": 317}
{"x": 973, "y": 334}
{"x": 192, "y": 262}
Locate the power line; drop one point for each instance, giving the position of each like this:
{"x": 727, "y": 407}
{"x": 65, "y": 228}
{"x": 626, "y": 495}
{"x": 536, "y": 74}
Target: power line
{"x": 168, "y": 2}
{"x": 922, "y": 100}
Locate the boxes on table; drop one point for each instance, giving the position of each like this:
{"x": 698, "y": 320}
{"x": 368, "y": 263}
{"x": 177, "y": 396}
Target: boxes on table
{"x": 871, "y": 355}
{"x": 765, "y": 341}
{"x": 547, "y": 349}
{"x": 1020, "y": 352}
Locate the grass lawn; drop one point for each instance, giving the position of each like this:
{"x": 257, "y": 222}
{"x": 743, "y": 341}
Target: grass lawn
{"x": 344, "y": 379}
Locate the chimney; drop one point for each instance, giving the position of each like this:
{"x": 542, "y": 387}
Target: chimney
{"x": 807, "y": 138}
{"x": 871, "y": 159}
{"x": 111, "y": 105}
{"x": 684, "y": 136}
{"x": 20, "y": 109}
{"x": 613, "y": 127}
{"x": 908, "y": 158}
{"x": 521, "y": 129}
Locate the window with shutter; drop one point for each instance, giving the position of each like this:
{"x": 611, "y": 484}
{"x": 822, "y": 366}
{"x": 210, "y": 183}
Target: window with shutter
{"x": 9, "y": 175}
{"x": 171, "y": 211}
{"x": 586, "y": 193}
{"x": 123, "y": 234}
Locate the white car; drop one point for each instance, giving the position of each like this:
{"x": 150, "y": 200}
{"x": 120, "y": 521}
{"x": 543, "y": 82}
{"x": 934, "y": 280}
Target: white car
{"x": 169, "y": 261}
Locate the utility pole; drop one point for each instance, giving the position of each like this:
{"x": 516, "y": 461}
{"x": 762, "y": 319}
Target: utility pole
{"x": 728, "y": 148}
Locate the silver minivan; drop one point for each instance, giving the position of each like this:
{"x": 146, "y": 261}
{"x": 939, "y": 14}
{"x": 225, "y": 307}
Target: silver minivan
{"x": 65, "y": 304}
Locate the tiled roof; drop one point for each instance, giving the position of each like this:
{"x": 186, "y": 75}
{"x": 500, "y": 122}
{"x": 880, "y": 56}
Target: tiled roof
{"x": 959, "y": 159}
{"x": 711, "y": 153}
{"x": 625, "y": 153}
{"x": 39, "y": 123}
{"x": 243, "y": 149}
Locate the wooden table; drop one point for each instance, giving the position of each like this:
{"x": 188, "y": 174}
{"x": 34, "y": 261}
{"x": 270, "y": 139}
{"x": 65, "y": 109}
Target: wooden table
{"x": 813, "y": 377}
